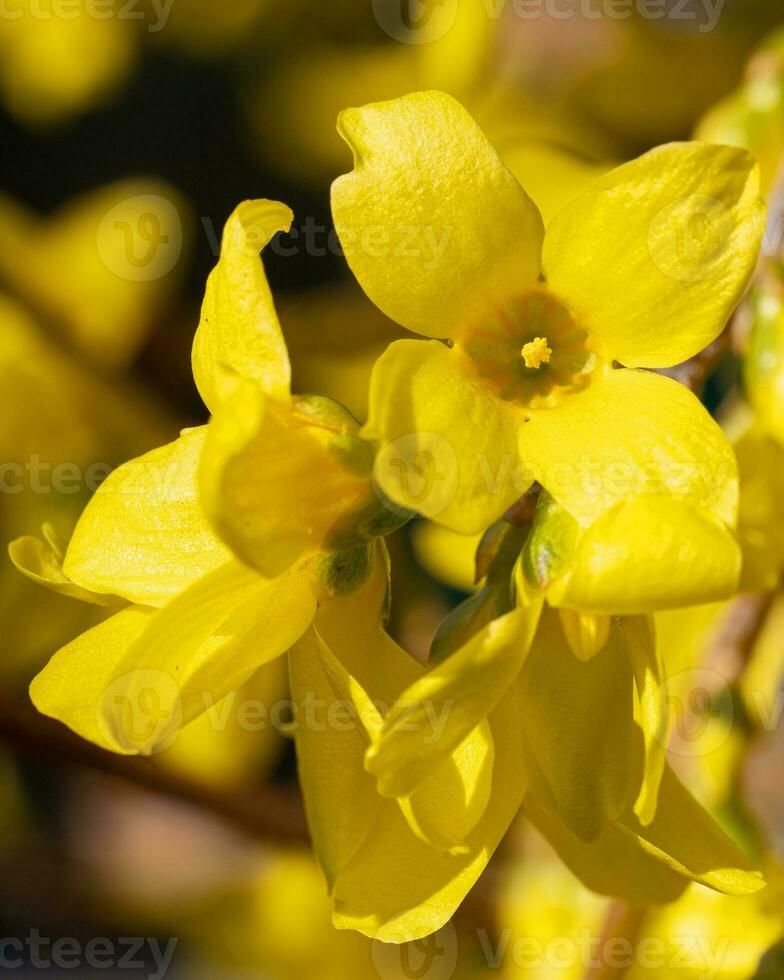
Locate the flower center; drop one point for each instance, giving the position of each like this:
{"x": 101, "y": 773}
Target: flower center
{"x": 536, "y": 352}
{"x": 528, "y": 351}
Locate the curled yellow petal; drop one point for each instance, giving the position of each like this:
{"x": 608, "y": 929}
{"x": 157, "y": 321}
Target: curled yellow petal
{"x": 239, "y": 333}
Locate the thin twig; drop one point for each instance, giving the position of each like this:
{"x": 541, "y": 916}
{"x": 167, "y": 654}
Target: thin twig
{"x": 696, "y": 371}
{"x": 622, "y": 923}
{"x": 272, "y": 814}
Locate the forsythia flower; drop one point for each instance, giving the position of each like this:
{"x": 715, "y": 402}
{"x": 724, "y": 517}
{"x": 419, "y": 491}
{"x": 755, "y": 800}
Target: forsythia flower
{"x": 200, "y": 621}
{"x": 540, "y": 380}
{"x": 590, "y": 733}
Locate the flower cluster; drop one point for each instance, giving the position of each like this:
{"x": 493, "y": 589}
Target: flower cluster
{"x": 531, "y": 409}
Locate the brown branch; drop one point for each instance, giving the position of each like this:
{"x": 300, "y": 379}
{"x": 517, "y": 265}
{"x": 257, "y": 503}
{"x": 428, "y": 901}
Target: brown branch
{"x": 271, "y": 814}
{"x": 733, "y": 642}
{"x": 696, "y": 371}
{"x": 622, "y": 922}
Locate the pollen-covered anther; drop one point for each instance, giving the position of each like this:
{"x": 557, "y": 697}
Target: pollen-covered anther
{"x": 536, "y": 353}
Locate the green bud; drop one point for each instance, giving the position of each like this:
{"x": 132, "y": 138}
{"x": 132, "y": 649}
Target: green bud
{"x": 343, "y": 572}
{"x": 550, "y": 544}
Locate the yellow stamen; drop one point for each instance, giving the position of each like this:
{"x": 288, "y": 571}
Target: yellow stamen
{"x": 536, "y": 352}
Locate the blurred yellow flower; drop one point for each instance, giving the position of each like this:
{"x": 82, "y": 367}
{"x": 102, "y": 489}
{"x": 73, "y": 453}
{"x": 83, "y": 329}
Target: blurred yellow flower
{"x": 104, "y": 268}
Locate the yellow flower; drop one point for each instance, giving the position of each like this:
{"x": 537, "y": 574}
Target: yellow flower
{"x": 588, "y": 767}
{"x": 283, "y": 479}
{"x": 751, "y": 116}
{"x": 44, "y": 74}
{"x": 103, "y": 268}
{"x": 589, "y": 696}
{"x": 641, "y": 270}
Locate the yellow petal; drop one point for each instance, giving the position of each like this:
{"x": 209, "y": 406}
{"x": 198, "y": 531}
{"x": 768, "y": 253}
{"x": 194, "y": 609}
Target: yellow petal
{"x": 449, "y": 447}
{"x": 551, "y": 176}
{"x": 630, "y": 433}
{"x": 687, "y": 839}
{"x": 397, "y": 887}
{"x": 44, "y": 75}
{"x": 638, "y": 635}
{"x": 41, "y": 561}
{"x": 386, "y": 881}
{"x": 237, "y": 741}
{"x": 433, "y": 225}
{"x": 653, "y": 259}
{"x": 615, "y": 863}
{"x": 208, "y": 641}
{"x": 340, "y": 801}
{"x": 433, "y": 716}
{"x": 652, "y": 865}
{"x": 585, "y": 633}
{"x": 448, "y": 805}
{"x": 276, "y": 483}
{"x": 144, "y": 535}
{"x": 578, "y": 722}
{"x": 239, "y": 333}
{"x": 446, "y": 555}
{"x": 74, "y": 683}
{"x": 649, "y": 554}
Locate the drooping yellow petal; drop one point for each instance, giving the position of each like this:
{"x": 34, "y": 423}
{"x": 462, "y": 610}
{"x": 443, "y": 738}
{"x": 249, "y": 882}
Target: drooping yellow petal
{"x": 638, "y": 635}
{"x": 340, "y": 801}
{"x": 614, "y": 863}
{"x": 397, "y": 887}
{"x": 276, "y": 482}
{"x": 585, "y": 633}
{"x": 629, "y": 433}
{"x": 652, "y": 865}
{"x": 75, "y": 682}
{"x": 448, "y": 556}
{"x": 687, "y": 839}
{"x": 208, "y": 641}
{"x": 144, "y": 535}
{"x": 433, "y": 225}
{"x": 385, "y": 879}
{"x": 654, "y": 257}
{"x": 649, "y": 554}
{"x": 456, "y": 696}
{"x": 41, "y": 560}
{"x": 237, "y": 741}
{"x": 578, "y": 721}
{"x": 448, "y": 805}
{"x": 449, "y": 447}
{"x": 239, "y": 333}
